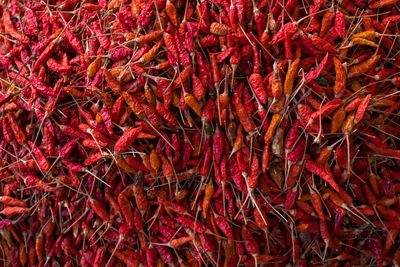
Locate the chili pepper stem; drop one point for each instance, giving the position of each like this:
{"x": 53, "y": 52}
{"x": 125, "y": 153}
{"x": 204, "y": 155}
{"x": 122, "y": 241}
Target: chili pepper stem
{"x": 234, "y": 67}
{"x": 241, "y": 210}
{"x": 201, "y": 188}
{"x": 223, "y": 183}
{"x": 273, "y": 208}
{"x": 379, "y": 218}
{"x": 358, "y": 215}
{"x": 347, "y": 136}
{"x": 121, "y": 237}
{"x": 158, "y": 14}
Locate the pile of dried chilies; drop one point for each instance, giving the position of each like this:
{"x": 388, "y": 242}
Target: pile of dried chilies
{"x": 199, "y": 133}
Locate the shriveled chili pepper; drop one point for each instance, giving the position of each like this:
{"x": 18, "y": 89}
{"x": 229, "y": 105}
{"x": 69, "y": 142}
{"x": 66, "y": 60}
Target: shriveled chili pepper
{"x": 339, "y": 24}
{"x": 321, "y": 172}
{"x": 382, "y": 3}
{"x": 276, "y": 119}
{"x": 363, "y": 67}
{"x": 10, "y": 211}
{"x": 10, "y": 28}
{"x": 316, "y": 72}
{"x": 127, "y": 139}
{"x": 256, "y": 82}
{"x": 362, "y": 108}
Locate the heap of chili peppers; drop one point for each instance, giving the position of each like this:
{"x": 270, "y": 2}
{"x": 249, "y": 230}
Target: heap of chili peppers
{"x": 196, "y": 133}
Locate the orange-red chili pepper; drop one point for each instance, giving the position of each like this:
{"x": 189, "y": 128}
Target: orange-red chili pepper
{"x": 208, "y": 192}
{"x": 171, "y": 12}
{"x": 363, "y": 67}
{"x": 291, "y": 74}
{"x": 362, "y": 108}
{"x": 185, "y": 74}
{"x": 244, "y": 118}
{"x": 337, "y": 120}
{"x": 219, "y": 28}
{"x": 7, "y": 200}
{"x": 276, "y": 119}
{"x": 382, "y": 3}
{"x": 10, "y": 211}
{"x": 10, "y": 28}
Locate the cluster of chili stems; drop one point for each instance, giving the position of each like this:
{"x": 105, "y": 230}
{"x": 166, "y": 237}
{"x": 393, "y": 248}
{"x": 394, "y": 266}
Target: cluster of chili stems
{"x": 194, "y": 133}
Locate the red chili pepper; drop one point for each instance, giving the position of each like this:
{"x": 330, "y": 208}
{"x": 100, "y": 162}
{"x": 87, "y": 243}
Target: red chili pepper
{"x": 256, "y": 83}
{"x": 362, "y": 108}
{"x": 321, "y": 172}
{"x": 250, "y": 243}
{"x": 127, "y": 139}
{"x": 340, "y": 25}
{"x": 312, "y": 75}
{"x": 74, "y": 41}
{"x": 289, "y": 28}
{"x": 10, "y": 28}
